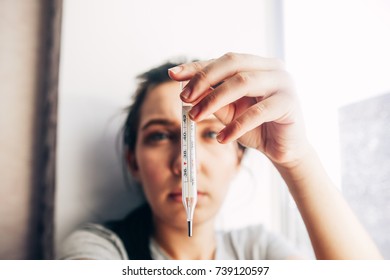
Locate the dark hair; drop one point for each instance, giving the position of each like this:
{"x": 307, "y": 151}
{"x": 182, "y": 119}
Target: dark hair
{"x": 136, "y": 229}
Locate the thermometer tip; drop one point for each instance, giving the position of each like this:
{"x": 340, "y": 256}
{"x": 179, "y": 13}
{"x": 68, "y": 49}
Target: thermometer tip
{"x": 189, "y": 228}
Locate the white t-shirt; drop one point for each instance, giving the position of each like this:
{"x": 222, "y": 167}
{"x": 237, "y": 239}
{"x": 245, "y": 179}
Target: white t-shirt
{"x": 94, "y": 241}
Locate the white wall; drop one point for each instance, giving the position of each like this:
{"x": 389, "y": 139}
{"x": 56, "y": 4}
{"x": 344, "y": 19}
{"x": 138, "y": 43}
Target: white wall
{"x": 105, "y": 45}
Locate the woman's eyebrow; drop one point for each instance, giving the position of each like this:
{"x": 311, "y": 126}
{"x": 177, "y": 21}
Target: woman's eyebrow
{"x": 210, "y": 121}
{"x": 166, "y": 122}
{"x": 151, "y": 122}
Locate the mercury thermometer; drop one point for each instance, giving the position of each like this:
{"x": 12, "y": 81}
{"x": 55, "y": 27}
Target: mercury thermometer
{"x": 188, "y": 164}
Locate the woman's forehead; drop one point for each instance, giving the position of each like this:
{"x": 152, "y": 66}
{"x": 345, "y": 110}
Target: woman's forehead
{"x": 162, "y": 98}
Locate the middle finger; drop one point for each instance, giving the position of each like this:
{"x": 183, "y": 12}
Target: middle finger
{"x": 259, "y": 84}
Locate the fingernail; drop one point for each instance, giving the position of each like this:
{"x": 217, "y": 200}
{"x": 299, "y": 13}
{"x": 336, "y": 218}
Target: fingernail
{"x": 175, "y": 69}
{"x": 194, "y": 112}
{"x": 185, "y": 93}
{"x": 220, "y": 136}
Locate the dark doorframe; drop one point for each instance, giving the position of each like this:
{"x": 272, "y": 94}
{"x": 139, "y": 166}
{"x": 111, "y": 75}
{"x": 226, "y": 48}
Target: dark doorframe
{"x": 46, "y": 131}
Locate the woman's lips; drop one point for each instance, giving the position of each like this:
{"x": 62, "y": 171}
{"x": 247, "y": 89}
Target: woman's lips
{"x": 177, "y": 196}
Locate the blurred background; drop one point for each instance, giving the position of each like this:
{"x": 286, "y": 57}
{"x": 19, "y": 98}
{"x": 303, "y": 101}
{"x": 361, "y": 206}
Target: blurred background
{"x": 67, "y": 73}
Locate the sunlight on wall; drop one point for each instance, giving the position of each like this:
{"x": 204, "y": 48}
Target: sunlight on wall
{"x": 338, "y": 53}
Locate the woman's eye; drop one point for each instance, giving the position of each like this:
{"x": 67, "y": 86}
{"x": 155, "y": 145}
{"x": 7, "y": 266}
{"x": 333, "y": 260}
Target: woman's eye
{"x": 211, "y": 134}
{"x": 156, "y": 137}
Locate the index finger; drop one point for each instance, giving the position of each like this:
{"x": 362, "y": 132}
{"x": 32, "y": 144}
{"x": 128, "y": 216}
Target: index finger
{"x": 206, "y": 74}
{"x": 186, "y": 71}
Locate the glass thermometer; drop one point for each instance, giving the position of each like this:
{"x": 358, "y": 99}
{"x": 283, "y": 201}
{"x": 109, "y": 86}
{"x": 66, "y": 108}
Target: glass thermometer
{"x": 188, "y": 149}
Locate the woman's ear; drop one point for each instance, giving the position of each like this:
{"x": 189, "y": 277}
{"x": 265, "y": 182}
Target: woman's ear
{"x": 132, "y": 164}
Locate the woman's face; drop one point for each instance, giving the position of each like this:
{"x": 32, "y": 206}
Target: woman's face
{"x": 158, "y": 163}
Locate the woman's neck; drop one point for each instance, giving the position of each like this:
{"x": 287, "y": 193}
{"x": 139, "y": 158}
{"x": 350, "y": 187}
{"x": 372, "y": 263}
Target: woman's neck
{"x": 178, "y": 245}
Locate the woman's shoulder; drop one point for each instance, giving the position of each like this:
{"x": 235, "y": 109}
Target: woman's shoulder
{"x": 93, "y": 241}
{"x": 252, "y": 242}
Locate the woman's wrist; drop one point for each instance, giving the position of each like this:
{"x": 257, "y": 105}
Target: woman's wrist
{"x": 301, "y": 155}
{"x": 306, "y": 172}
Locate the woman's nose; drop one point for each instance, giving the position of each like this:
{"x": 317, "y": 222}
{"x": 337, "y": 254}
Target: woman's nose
{"x": 176, "y": 164}
{"x": 177, "y": 158}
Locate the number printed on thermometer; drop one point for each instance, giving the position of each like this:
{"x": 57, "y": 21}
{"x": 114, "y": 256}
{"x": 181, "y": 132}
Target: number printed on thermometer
{"x": 188, "y": 153}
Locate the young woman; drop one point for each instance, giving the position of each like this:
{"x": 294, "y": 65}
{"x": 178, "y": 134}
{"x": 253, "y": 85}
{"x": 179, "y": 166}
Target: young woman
{"x": 239, "y": 101}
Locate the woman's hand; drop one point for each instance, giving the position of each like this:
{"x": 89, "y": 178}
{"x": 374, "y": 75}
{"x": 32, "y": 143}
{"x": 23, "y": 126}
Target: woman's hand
{"x": 254, "y": 97}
